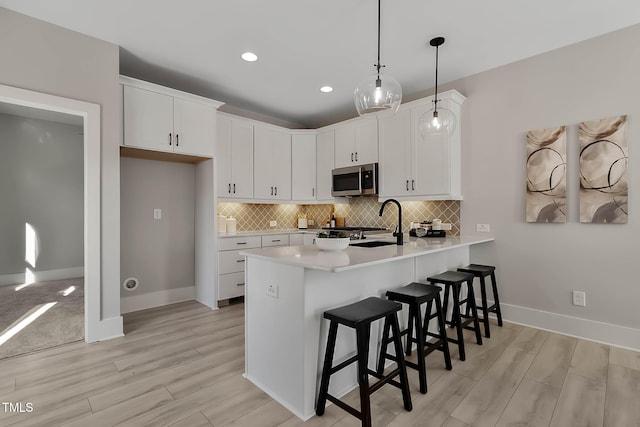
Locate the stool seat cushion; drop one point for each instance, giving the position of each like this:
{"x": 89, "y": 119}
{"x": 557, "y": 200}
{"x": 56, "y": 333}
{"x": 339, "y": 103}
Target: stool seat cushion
{"x": 451, "y": 277}
{"x": 414, "y": 291}
{"x": 478, "y": 269}
{"x": 365, "y": 311}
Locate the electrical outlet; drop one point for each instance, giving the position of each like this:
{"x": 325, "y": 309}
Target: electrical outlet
{"x": 157, "y": 213}
{"x": 579, "y": 298}
{"x": 483, "y": 228}
{"x": 272, "y": 291}
{"x": 273, "y": 223}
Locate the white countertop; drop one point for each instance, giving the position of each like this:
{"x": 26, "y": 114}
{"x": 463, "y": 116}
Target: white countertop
{"x": 356, "y": 257}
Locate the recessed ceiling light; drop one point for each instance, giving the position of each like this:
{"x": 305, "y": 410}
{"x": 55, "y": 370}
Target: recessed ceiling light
{"x": 249, "y": 56}
{"x": 326, "y": 89}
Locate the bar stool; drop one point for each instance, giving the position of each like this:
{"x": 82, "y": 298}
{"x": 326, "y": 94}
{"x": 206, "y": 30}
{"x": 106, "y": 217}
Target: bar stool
{"x": 482, "y": 271}
{"x": 359, "y": 316}
{"x": 453, "y": 281}
{"x": 415, "y": 294}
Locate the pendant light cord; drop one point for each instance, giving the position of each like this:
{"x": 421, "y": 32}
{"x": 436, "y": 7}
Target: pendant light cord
{"x": 435, "y": 97}
{"x": 378, "y": 66}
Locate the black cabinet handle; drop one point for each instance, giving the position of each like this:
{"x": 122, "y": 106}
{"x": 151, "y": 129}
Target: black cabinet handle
{"x": 313, "y": 192}
{"x": 274, "y": 241}
{"x": 169, "y": 138}
{"x": 352, "y": 157}
{"x": 276, "y": 192}
{"x": 234, "y": 188}
{"x": 239, "y": 284}
{"x": 407, "y": 185}
{"x": 241, "y": 243}
{"x": 413, "y": 184}
{"x": 239, "y": 260}
{"x": 177, "y": 140}
{"x": 356, "y": 156}
{"x": 272, "y": 191}
{"x": 229, "y": 188}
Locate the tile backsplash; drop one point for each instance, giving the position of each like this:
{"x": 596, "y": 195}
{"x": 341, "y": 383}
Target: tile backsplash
{"x": 360, "y": 211}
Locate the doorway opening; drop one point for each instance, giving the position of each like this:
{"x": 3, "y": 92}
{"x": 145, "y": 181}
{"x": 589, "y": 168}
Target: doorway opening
{"x": 42, "y": 259}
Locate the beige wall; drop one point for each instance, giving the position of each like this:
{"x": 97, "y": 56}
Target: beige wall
{"x": 46, "y": 58}
{"x": 539, "y": 264}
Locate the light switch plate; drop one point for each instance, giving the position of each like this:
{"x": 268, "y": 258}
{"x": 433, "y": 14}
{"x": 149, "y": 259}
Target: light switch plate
{"x": 157, "y": 213}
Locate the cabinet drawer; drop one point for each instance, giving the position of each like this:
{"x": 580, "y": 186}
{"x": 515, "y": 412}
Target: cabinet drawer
{"x": 230, "y": 285}
{"x": 246, "y": 242}
{"x": 230, "y": 262}
{"x": 275, "y": 240}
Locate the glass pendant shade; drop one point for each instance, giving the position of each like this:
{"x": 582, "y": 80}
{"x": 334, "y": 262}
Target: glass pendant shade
{"x": 437, "y": 122}
{"x": 377, "y": 96}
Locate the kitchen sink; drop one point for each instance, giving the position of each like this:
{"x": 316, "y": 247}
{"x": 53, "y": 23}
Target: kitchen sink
{"x": 373, "y": 244}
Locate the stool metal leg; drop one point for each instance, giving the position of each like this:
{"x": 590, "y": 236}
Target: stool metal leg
{"x": 457, "y": 320}
{"x": 420, "y": 338}
{"x": 326, "y": 369}
{"x": 485, "y": 307}
{"x": 471, "y": 299}
{"x": 362, "y": 338}
{"x": 495, "y": 298}
{"x": 442, "y": 327}
{"x": 410, "y": 323}
{"x": 404, "y": 381}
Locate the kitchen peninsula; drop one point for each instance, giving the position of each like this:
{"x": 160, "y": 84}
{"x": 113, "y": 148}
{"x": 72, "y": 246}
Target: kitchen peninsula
{"x": 289, "y": 288}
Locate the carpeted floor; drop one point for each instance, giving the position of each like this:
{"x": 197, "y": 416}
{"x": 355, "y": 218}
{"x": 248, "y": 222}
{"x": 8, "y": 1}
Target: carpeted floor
{"x": 62, "y": 323}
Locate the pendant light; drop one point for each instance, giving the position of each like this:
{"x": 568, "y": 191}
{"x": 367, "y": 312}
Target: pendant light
{"x": 378, "y": 95}
{"x": 439, "y": 120}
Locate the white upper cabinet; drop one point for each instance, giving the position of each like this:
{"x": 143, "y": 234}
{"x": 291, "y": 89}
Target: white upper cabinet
{"x": 412, "y": 168}
{"x": 272, "y": 167}
{"x": 324, "y": 164}
{"x": 303, "y": 167}
{"x": 356, "y": 142}
{"x": 163, "y": 119}
{"x": 234, "y": 151}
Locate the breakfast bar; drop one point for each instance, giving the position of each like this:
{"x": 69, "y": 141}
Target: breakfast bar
{"x": 289, "y": 288}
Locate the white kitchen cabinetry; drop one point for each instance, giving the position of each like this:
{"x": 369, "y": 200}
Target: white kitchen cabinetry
{"x": 300, "y": 239}
{"x": 356, "y": 142}
{"x": 324, "y": 164}
{"x": 275, "y": 240}
{"x": 163, "y": 119}
{"x": 303, "y": 167}
{"x": 234, "y": 150}
{"x": 231, "y": 264}
{"x": 413, "y": 169}
{"x": 272, "y": 167}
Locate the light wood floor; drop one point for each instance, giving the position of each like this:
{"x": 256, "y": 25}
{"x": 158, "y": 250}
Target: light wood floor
{"x": 181, "y": 365}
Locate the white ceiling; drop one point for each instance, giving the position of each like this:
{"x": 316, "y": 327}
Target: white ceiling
{"x": 195, "y": 45}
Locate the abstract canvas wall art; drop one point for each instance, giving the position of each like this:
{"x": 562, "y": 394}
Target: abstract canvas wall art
{"x": 603, "y": 170}
{"x": 546, "y": 175}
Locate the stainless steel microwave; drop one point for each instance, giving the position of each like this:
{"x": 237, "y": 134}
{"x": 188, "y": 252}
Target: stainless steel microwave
{"x": 359, "y": 180}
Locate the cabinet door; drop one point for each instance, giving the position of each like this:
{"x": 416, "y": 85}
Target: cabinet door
{"x": 395, "y": 140}
{"x": 234, "y": 150}
{"x": 242, "y": 159}
{"x": 272, "y": 168}
{"x": 148, "y": 119}
{"x": 223, "y": 156}
{"x": 194, "y": 127}
{"x": 303, "y": 167}
{"x": 366, "y": 141}
{"x": 345, "y": 140}
{"x": 431, "y": 161}
{"x": 324, "y": 164}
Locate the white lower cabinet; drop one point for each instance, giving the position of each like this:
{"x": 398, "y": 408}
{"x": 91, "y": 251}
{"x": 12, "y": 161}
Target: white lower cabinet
{"x": 275, "y": 240}
{"x": 231, "y": 264}
{"x": 300, "y": 239}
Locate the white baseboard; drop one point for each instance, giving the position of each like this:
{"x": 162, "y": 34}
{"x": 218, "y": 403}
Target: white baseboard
{"x": 156, "y": 299}
{"x": 107, "y": 329}
{"x": 604, "y": 333}
{"x": 41, "y": 276}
